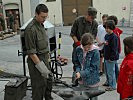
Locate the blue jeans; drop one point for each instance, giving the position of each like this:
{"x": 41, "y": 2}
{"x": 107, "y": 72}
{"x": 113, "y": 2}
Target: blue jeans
{"x": 116, "y": 71}
{"x": 110, "y": 73}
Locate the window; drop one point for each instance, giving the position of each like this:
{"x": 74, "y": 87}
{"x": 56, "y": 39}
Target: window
{"x": 50, "y": 0}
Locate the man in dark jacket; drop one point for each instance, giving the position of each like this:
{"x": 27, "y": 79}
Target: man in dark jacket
{"x": 81, "y": 25}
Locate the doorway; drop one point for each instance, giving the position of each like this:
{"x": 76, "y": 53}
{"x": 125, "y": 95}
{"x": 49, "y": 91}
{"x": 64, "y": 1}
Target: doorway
{"x": 13, "y": 19}
{"x": 74, "y": 8}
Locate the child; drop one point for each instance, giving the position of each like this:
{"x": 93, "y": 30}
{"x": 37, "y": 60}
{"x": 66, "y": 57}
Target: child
{"x": 100, "y": 39}
{"x": 111, "y": 54}
{"x": 118, "y": 32}
{"x": 87, "y": 60}
{"x": 125, "y": 79}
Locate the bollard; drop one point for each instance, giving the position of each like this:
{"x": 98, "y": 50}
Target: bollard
{"x": 59, "y": 44}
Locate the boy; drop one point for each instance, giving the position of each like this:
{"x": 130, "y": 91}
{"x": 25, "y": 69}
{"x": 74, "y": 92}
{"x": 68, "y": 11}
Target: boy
{"x": 100, "y": 39}
{"x": 125, "y": 79}
{"x": 118, "y": 32}
{"x": 111, "y": 54}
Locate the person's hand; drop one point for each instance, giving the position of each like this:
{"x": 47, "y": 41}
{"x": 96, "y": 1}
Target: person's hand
{"x": 77, "y": 75}
{"x": 100, "y": 44}
{"x": 110, "y": 60}
{"x": 78, "y": 43}
{"x": 106, "y": 43}
{"x": 42, "y": 68}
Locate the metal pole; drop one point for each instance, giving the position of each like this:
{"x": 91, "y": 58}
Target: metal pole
{"x": 3, "y": 23}
{"x": 59, "y": 44}
{"x": 24, "y": 67}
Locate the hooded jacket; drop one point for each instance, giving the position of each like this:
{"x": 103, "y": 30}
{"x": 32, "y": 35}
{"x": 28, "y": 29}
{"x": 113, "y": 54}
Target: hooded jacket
{"x": 125, "y": 79}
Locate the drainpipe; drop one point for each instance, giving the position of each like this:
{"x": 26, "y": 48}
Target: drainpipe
{"x": 22, "y": 16}
{"x": 3, "y": 15}
{"x": 131, "y": 14}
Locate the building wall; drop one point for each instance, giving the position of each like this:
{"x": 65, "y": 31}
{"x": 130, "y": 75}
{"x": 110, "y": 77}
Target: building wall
{"x": 33, "y": 4}
{"x": 23, "y": 7}
{"x": 11, "y": 4}
{"x": 78, "y": 5}
{"x": 119, "y": 8}
{"x": 10, "y": 1}
{"x": 26, "y": 10}
{"x": 111, "y": 7}
{"x": 131, "y": 15}
{"x": 55, "y": 11}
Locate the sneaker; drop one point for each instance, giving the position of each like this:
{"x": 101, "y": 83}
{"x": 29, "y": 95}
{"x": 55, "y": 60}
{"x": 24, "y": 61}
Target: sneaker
{"x": 110, "y": 89}
{"x": 101, "y": 73}
{"x": 105, "y": 84}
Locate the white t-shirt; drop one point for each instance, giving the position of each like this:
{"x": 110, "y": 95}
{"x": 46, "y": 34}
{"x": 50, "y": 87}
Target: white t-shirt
{"x": 101, "y": 34}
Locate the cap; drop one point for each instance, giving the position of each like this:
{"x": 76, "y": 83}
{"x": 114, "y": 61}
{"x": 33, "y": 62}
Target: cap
{"x": 92, "y": 11}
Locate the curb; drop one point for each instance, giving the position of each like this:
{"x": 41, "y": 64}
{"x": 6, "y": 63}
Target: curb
{"x": 7, "y": 36}
{"x": 9, "y": 75}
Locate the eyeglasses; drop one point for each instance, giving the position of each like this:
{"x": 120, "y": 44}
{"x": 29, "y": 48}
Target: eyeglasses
{"x": 45, "y": 17}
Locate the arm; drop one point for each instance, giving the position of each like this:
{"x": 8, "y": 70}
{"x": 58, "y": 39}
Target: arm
{"x": 76, "y": 61}
{"x": 34, "y": 58}
{"x": 118, "y": 31}
{"x": 97, "y": 39}
{"x": 95, "y": 29}
{"x": 99, "y": 43}
{"x": 74, "y": 32}
{"x": 114, "y": 48}
{"x": 94, "y": 64}
{"x": 74, "y": 39}
{"x": 99, "y": 35}
{"x": 128, "y": 82}
{"x": 31, "y": 45}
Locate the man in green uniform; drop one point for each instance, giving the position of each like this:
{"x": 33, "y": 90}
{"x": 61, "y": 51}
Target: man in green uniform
{"x": 36, "y": 42}
{"x": 81, "y": 25}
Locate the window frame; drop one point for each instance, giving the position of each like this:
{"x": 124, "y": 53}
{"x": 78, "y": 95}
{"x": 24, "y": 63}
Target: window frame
{"x": 50, "y": 0}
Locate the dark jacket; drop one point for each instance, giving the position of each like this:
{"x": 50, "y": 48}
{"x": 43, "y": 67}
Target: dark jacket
{"x": 111, "y": 47}
{"x": 81, "y": 26}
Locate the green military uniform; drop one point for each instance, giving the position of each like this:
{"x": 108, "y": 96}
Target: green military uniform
{"x": 36, "y": 42}
{"x": 82, "y": 26}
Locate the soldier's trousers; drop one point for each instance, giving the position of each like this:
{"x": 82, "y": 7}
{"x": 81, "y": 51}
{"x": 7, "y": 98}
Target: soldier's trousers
{"x": 41, "y": 87}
